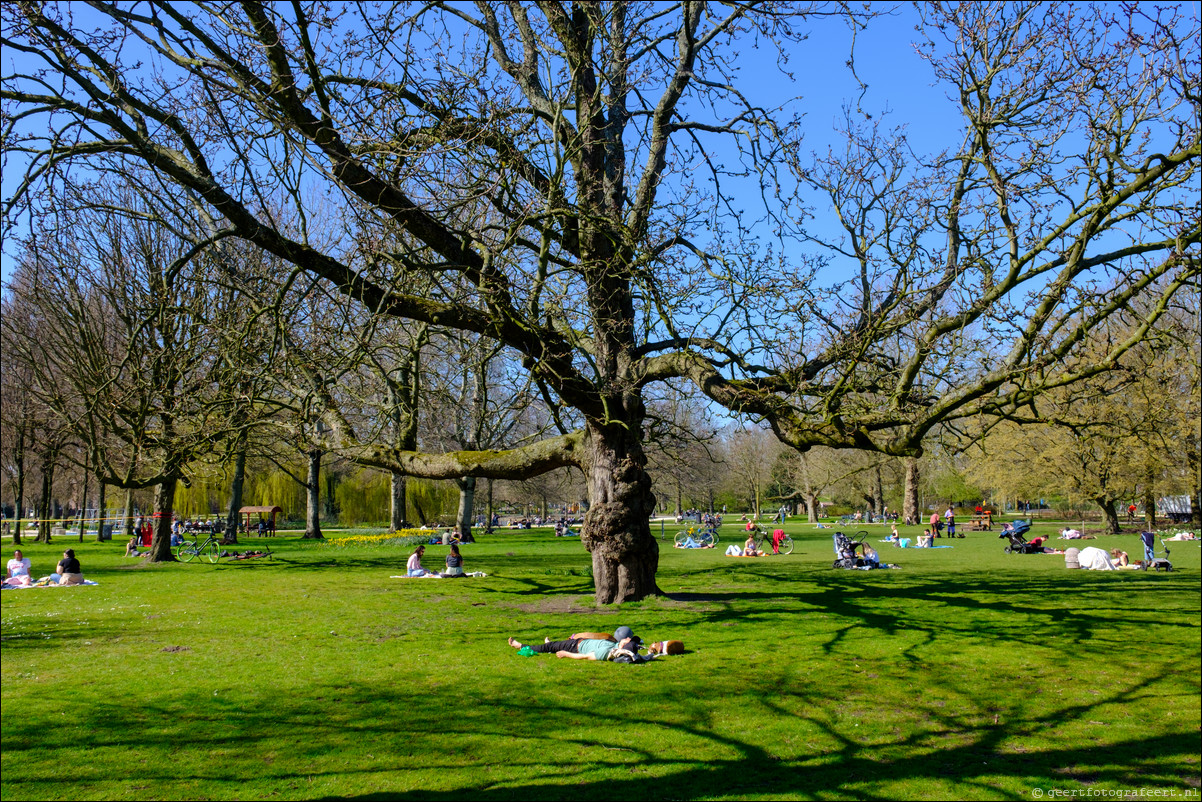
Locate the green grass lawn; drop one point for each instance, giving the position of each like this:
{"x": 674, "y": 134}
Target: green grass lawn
{"x": 969, "y": 673}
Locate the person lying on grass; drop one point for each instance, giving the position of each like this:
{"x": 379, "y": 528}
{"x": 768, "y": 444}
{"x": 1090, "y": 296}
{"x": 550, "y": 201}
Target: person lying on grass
{"x": 689, "y": 543}
{"x": 575, "y": 648}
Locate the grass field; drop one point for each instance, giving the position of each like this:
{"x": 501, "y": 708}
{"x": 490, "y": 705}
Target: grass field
{"x": 967, "y": 674}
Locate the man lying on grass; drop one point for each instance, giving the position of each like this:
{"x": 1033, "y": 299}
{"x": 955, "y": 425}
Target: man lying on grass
{"x": 591, "y": 648}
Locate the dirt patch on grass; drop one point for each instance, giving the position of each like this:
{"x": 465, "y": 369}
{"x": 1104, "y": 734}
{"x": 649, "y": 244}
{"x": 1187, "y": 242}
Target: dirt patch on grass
{"x": 563, "y": 604}
{"x": 174, "y": 649}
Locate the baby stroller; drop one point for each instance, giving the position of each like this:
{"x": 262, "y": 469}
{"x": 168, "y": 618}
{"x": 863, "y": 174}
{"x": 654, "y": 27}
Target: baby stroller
{"x": 1150, "y": 558}
{"x": 845, "y": 552}
{"x": 1015, "y": 534}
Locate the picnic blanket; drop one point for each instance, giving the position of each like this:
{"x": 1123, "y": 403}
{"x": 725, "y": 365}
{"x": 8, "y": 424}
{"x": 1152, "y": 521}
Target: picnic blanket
{"x": 438, "y": 576}
{"x": 44, "y": 584}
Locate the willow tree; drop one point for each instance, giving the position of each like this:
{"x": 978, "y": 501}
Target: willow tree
{"x": 570, "y": 179}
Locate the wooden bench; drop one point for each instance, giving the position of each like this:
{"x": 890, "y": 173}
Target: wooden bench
{"x": 980, "y": 523}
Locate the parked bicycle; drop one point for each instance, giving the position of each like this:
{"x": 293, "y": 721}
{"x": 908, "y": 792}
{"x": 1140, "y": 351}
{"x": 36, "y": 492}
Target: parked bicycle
{"x": 189, "y": 550}
{"x": 707, "y": 536}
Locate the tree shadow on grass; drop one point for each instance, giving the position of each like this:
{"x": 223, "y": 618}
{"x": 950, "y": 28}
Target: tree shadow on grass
{"x": 1011, "y": 609}
{"x": 521, "y": 741}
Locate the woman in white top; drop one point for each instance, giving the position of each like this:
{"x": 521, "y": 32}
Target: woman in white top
{"x": 18, "y": 570}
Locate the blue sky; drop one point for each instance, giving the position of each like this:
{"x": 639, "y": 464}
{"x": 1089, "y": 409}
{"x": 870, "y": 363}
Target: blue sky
{"x": 897, "y": 79}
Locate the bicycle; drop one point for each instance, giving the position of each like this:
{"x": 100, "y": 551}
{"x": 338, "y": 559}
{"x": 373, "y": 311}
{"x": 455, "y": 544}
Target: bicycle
{"x": 189, "y": 550}
{"x": 706, "y": 537}
{"x": 763, "y": 542}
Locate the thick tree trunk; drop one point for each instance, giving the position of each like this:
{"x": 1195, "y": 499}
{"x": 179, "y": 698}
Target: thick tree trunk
{"x": 19, "y": 511}
{"x": 237, "y": 482}
{"x": 45, "y": 507}
{"x": 164, "y": 506}
{"x": 491, "y": 509}
{"x": 1150, "y": 499}
{"x": 811, "y": 502}
{"x": 1193, "y": 466}
{"x": 83, "y": 507}
{"x": 396, "y": 513}
{"x": 1110, "y": 515}
{"x": 910, "y": 502}
{"x": 101, "y": 507}
{"x": 127, "y": 515}
{"x": 616, "y": 527}
{"x": 879, "y": 492}
{"x": 313, "y": 497}
{"x": 467, "y": 501}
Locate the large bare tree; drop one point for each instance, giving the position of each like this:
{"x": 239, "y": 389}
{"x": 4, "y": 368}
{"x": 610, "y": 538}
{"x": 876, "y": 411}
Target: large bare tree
{"x": 569, "y": 180}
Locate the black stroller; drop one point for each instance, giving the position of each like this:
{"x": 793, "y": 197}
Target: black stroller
{"x": 1015, "y": 533}
{"x": 845, "y": 552}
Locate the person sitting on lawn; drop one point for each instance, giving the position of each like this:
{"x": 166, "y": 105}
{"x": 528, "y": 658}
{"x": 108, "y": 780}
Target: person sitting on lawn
{"x": 18, "y": 571}
{"x": 68, "y": 572}
{"x": 925, "y": 539}
{"x": 414, "y": 565}
{"x": 586, "y": 648}
{"x": 749, "y": 549}
{"x": 1121, "y": 560}
{"x": 131, "y": 548}
{"x": 454, "y": 563}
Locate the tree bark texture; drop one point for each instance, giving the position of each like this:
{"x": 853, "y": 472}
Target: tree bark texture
{"x": 467, "y": 502}
{"x": 616, "y": 527}
{"x": 1150, "y": 499}
{"x": 811, "y": 502}
{"x": 45, "y": 507}
{"x": 396, "y": 513}
{"x": 164, "y": 507}
{"x": 101, "y": 507}
{"x": 127, "y": 515}
{"x": 910, "y": 502}
{"x": 1109, "y": 515}
{"x": 313, "y": 497}
{"x": 19, "y": 511}
{"x": 236, "y": 484}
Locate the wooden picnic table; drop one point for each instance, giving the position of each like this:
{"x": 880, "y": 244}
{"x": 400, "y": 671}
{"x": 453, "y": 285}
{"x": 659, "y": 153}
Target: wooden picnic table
{"x": 980, "y": 523}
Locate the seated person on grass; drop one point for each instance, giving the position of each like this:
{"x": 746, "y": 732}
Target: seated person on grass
{"x": 18, "y": 571}
{"x": 414, "y": 566}
{"x": 749, "y": 549}
{"x": 68, "y": 572}
{"x": 1121, "y": 560}
{"x": 925, "y": 539}
{"x": 575, "y": 648}
{"x": 454, "y": 563}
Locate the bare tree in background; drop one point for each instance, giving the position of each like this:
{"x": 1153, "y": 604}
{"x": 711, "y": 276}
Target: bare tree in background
{"x": 576, "y": 175}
